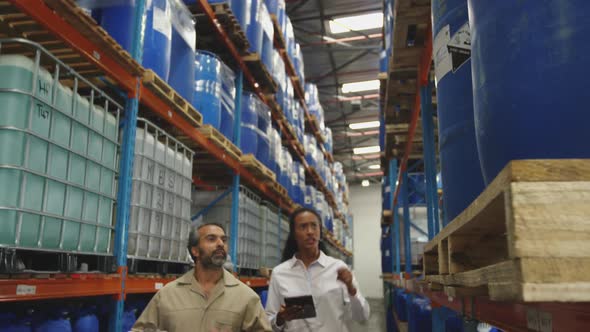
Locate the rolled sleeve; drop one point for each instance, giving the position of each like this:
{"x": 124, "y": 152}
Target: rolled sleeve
{"x": 359, "y": 306}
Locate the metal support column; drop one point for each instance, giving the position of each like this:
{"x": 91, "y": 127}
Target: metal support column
{"x": 392, "y": 232}
{"x": 429, "y": 160}
{"x": 396, "y": 239}
{"x": 235, "y": 206}
{"x": 407, "y": 223}
{"x": 129, "y": 125}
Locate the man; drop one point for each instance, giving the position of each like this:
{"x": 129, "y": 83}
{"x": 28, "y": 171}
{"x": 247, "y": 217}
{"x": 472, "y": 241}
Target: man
{"x": 306, "y": 270}
{"x": 207, "y": 298}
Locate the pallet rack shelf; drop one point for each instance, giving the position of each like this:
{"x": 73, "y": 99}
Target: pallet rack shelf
{"x": 505, "y": 246}
{"x": 59, "y": 25}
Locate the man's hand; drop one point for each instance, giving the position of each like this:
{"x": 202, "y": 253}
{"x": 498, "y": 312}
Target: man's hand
{"x": 345, "y": 276}
{"x": 288, "y": 314}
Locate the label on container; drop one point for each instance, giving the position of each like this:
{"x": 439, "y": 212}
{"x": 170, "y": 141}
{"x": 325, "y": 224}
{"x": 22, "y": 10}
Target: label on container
{"x": 460, "y": 47}
{"x": 26, "y": 290}
{"x": 162, "y": 22}
{"x": 440, "y": 53}
{"x": 450, "y": 52}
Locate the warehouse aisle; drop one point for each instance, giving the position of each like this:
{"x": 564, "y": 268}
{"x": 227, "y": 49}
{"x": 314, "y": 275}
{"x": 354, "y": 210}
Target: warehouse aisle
{"x": 376, "y": 322}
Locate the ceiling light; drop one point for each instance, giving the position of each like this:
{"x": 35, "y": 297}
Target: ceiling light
{"x": 360, "y": 86}
{"x": 376, "y": 166}
{"x": 366, "y": 149}
{"x": 356, "y": 23}
{"x": 364, "y": 125}
{"x": 365, "y": 183}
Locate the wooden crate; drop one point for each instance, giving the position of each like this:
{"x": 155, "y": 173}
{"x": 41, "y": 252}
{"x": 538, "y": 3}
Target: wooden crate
{"x": 258, "y": 169}
{"x": 525, "y": 238}
{"x": 157, "y": 85}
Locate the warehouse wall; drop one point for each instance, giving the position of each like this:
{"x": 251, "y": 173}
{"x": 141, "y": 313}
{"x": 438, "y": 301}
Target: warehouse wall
{"x": 365, "y": 206}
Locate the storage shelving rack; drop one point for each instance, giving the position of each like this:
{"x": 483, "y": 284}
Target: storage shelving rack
{"x": 471, "y": 303}
{"x": 59, "y": 26}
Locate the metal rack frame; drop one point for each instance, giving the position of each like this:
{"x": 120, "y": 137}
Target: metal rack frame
{"x": 137, "y": 94}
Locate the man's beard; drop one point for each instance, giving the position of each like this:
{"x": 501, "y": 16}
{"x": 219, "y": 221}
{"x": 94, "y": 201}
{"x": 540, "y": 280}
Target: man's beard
{"x": 212, "y": 261}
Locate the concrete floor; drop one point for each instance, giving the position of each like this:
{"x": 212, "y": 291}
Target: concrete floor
{"x": 376, "y": 322}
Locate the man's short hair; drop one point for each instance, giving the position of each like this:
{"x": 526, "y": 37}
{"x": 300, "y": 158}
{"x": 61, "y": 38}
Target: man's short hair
{"x": 193, "y": 236}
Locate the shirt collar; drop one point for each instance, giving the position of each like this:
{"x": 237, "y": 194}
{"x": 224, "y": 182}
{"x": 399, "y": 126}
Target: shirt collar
{"x": 322, "y": 260}
{"x": 189, "y": 279}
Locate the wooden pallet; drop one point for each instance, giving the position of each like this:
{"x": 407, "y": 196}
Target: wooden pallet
{"x": 411, "y": 27}
{"x": 157, "y": 85}
{"x": 278, "y": 33}
{"x": 221, "y": 141}
{"x": 207, "y": 38}
{"x": 525, "y": 238}
{"x": 15, "y": 24}
{"x": 279, "y": 190}
{"x": 261, "y": 75}
{"x": 72, "y": 13}
{"x": 258, "y": 169}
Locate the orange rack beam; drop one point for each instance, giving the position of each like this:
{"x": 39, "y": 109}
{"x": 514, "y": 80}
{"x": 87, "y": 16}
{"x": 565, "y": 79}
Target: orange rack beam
{"x": 59, "y": 286}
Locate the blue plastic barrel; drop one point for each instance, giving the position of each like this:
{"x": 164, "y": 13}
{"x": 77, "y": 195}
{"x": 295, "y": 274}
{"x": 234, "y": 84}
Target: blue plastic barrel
{"x": 420, "y": 315}
{"x": 118, "y": 22}
{"x": 454, "y": 323}
{"x": 266, "y": 51}
{"x": 129, "y": 318}
{"x": 386, "y": 250}
{"x": 401, "y": 305}
{"x": 86, "y": 320}
{"x": 263, "y": 297}
{"x": 207, "y": 96}
{"x": 249, "y": 139}
{"x": 214, "y": 92}
{"x": 264, "y": 119}
{"x": 458, "y": 150}
{"x": 10, "y": 322}
{"x": 286, "y": 170}
{"x": 55, "y": 321}
{"x": 383, "y": 61}
{"x": 182, "y": 56}
{"x": 250, "y": 108}
{"x": 529, "y": 70}
{"x": 254, "y": 31}
{"x": 263, "y": 149}
{"x": 296, "y": 192}
{"x": 242, "y": 12}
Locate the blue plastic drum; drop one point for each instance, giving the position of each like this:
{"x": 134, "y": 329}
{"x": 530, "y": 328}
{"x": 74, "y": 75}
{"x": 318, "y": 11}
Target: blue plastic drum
{"x": 529, "y": 69}
{"x": 207, "y": 96}
{"x": 254, "y": 31}
{"x": 458, "y": 150}
{"x": 250, "y": 107}
{"x": 249, "y": 139}
{"x": 182, "y": 58}
{"x": 263, "y": 150}
{"x": 118, "y": 22}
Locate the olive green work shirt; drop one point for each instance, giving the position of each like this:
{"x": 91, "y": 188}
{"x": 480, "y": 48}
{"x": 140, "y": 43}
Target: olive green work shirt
{"x": 181, "y": 306}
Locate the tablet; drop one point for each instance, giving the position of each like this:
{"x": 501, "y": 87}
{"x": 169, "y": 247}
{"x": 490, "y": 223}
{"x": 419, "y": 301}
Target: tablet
{"x": 306, "y": 302}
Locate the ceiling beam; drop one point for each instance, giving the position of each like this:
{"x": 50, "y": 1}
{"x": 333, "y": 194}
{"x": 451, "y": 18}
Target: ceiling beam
{"x": 337, "y": 14}
{"x": 342, "y": 66}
